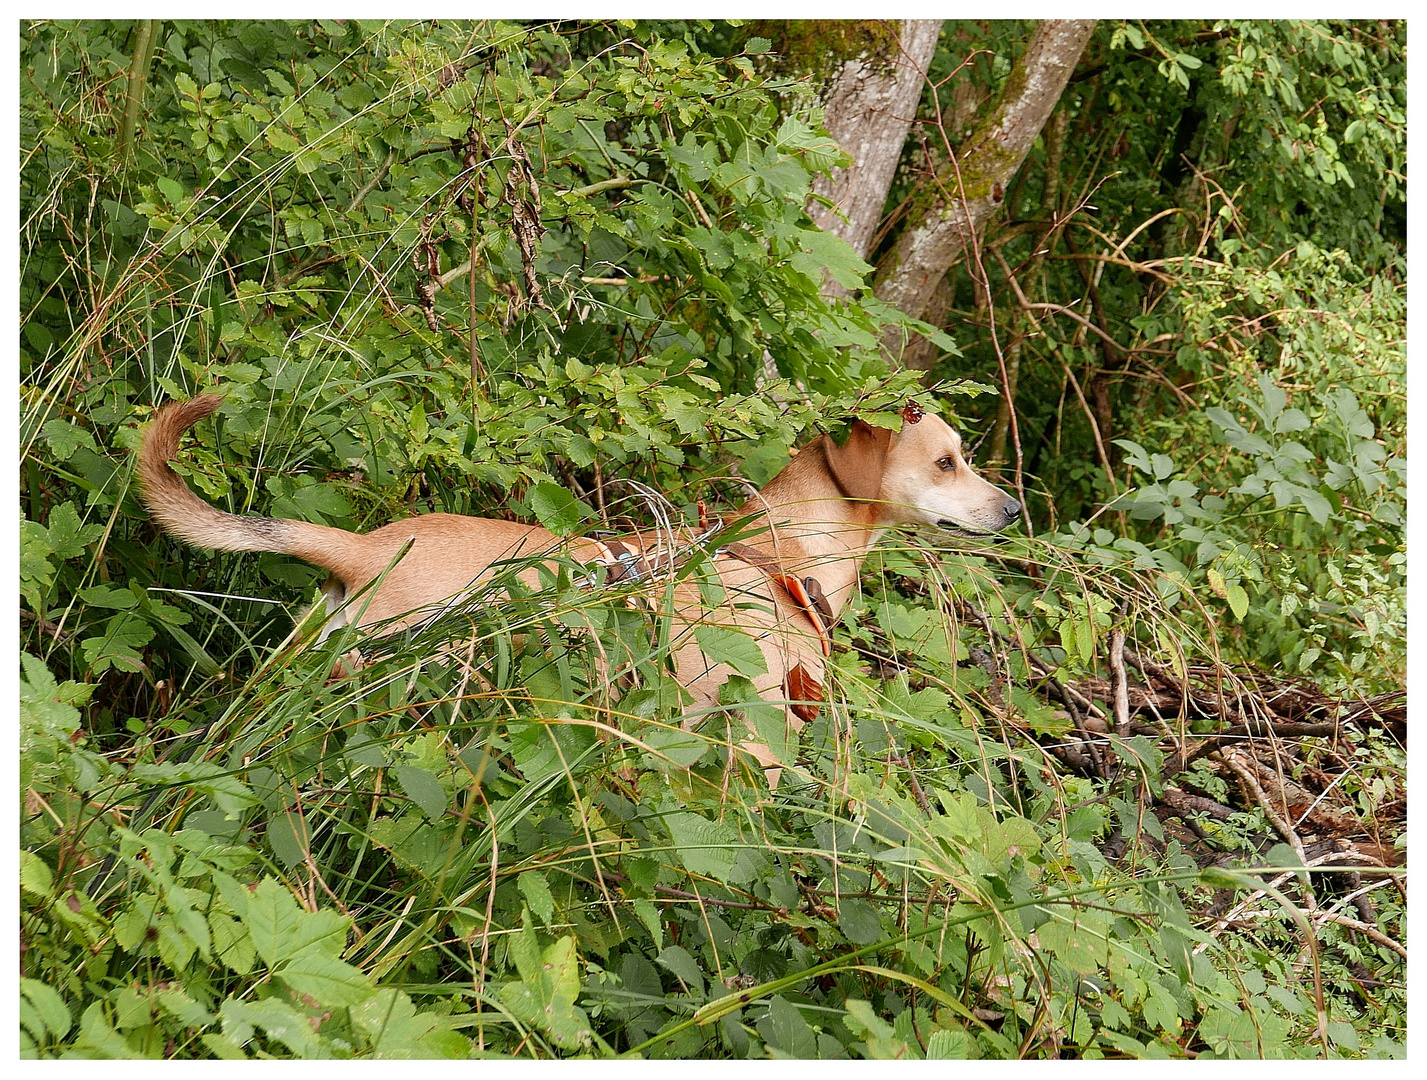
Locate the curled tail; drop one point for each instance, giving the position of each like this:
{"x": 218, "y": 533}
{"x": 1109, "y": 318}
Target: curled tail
{"x": 183, "y": 514}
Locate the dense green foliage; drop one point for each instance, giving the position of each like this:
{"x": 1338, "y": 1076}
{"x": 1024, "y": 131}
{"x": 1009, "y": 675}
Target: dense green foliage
{"x": 565, "y": 273}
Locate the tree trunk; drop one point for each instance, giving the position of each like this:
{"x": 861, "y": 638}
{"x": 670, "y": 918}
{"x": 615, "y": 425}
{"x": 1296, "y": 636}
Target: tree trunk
{"x": 970, "y": 188}
{"x": 869, "y": 106}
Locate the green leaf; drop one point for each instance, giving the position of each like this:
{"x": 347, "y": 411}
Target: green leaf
{"x": 118, "y": 645}
{"x": 1238, "y": 600}
{"x": 280, "y": 930}
{"x": 172, "y": 190}
{"x": 1354, "y": 131}
{"x": 673, "y": 746}
{"x": 703, "y": 846}
{"x": 785, "y": 1030}
{"x": 425, "y": 790}
{"x": 859, "y": 921}
{"x": 536, "y": 891}
{"x": 677, "y": 960}
{"x": 68, "y": 538}
{"x": 287, "y": 836}
{"x": 392, "y": 1025}
{"x": 557, "y": 509}
{"x": 649, "y": 916}
{"x": 65, "y": 437}
{"x": 43, "y": 1012}
{"x": 228, "y": 793}
{"x": 1319, "y": 508}
{"x": 364, "y": 747}
{"x": 952, "y": 1045}
{"x": 35, "y": 875}
{"x": 731, "y": 646}
{"x": 231, "y": 942}
{"x": 278, "y": 1020}
{"x": 329, "y": 981}
{"x": 547, "y": 1000}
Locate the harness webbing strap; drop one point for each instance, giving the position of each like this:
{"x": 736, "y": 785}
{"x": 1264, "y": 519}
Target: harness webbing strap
{"x": 624, "y": 562}
{"x": 807, "y": 593}
{"x": 803, "y": 691}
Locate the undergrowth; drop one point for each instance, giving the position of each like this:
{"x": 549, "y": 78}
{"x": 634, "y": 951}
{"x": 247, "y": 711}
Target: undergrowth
{"x": 1134, "y": 787}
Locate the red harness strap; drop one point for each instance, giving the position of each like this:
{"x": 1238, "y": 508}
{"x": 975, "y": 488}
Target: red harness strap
{"x": 804, "y": 692}
{"x": 629, "y": 562}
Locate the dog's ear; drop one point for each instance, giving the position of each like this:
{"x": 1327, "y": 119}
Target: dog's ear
{"x": 857, "y": 465}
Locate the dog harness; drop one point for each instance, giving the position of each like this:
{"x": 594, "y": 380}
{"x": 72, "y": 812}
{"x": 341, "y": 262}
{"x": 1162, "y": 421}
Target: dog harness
{"x": 624, "y": 562}
{"x": 803, "y": 691}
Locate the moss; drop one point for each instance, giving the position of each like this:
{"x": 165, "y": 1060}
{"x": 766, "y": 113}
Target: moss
{"x": 982, "y": 160}
{"x": 819, "y": 47}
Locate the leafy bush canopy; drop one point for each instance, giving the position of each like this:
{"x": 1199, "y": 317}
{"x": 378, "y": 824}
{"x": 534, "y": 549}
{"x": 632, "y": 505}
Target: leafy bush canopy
{"x": 565, "y": 272}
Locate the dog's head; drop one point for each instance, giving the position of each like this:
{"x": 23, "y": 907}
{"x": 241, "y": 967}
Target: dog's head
{"x": 918, "y": 476}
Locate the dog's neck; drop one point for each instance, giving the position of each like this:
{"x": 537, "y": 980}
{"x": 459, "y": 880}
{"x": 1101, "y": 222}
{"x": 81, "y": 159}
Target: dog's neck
{"x": 811, "y": 528}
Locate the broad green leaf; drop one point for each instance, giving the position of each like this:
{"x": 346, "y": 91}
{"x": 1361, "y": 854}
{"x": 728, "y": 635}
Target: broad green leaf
{"x": 785, "y": 1030}
{"x": 557, "y": 509}
{"x": 703, "y": 846}
{"x": 425, "y": 790}
{"x": 392, "y": 1025}
{"x": 329, "y": 981}
{"x": 859, "y": 921}
{"x": 677, "y": 960}
{"x": 546, "y": 998}
{"x": 280, "y": 929}
{"x": 727, "y": 645}
{"x": 43, "y": 1012}
{"x": 1238, "y": 599}
{"x": 35, "y": 875}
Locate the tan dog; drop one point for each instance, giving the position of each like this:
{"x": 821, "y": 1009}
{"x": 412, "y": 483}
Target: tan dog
{"x": 786, "y": 587}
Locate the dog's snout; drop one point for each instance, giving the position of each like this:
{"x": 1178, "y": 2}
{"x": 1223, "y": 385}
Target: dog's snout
{"x": 1011, "y": 508}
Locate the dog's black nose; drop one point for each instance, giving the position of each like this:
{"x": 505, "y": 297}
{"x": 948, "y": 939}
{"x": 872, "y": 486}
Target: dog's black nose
{"x": 1010, "y": 508}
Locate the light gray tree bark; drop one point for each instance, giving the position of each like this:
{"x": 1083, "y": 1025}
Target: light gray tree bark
{"x": 869, "y": 105}
{"x": 970, "y": 186}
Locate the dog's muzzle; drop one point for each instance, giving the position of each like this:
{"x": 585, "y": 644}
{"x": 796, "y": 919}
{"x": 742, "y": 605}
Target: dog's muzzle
{"x": 1010, "y": 510}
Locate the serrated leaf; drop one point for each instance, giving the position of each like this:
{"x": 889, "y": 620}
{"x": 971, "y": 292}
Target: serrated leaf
{"x": 536, "y": 891}
{"x": 392, "y": 1024}
{"x": 1238, "y": 600}
{"x": 328, "y": 980}
{"x": 35, "y": 875}
{"x": 727, "y": 645}
{"x": 649, "y": 916}
{"x": 703, "y": 846}
{"x": 546, "y": 999}
{"x": 859, "y": 921}
{"x": 280, "y": 929}
{"x": 425, "y": 790}
{"x": 68, "y": 537}
{"x": 1319, "y": 508}
{"x": 784, "y": 1029}
{"x": 557, "y": 509}
{"x": 676, "y": 959}
{"x": 672, "y": 746}
{"x": 1216, "y": 582}
{"x": 47, "y": 1016}
{"x": 65, "y": 438}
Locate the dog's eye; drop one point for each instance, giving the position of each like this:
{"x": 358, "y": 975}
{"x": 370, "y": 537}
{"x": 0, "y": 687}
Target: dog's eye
{"x": 946, "y": 464}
